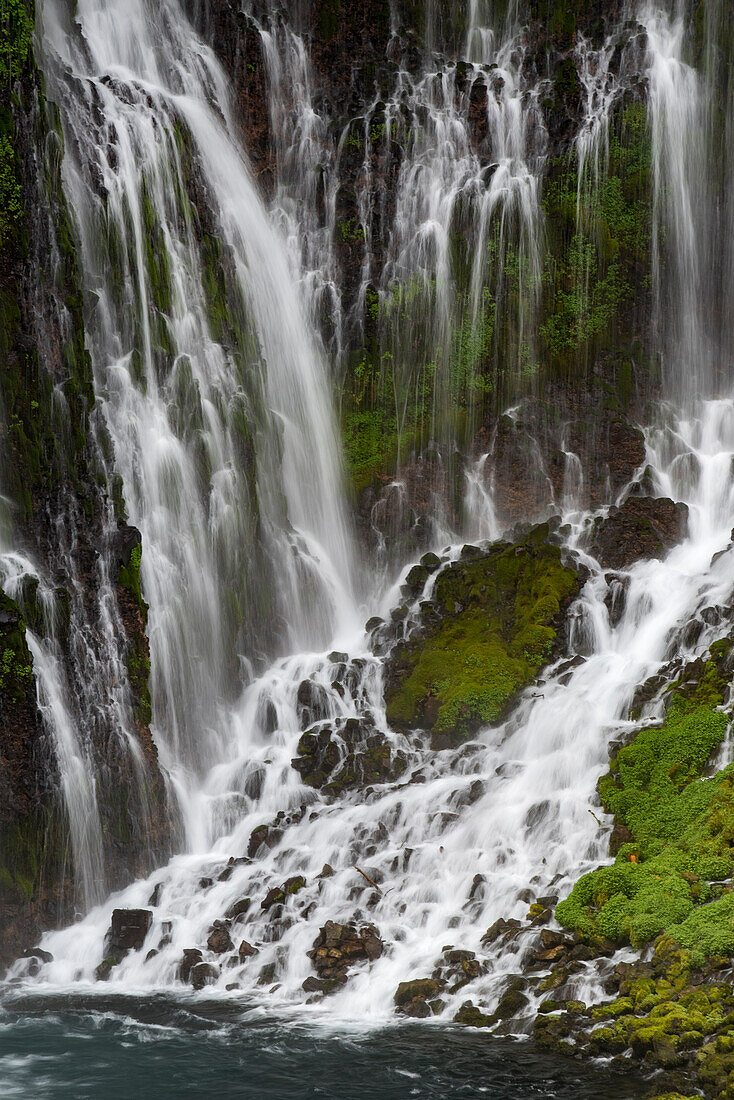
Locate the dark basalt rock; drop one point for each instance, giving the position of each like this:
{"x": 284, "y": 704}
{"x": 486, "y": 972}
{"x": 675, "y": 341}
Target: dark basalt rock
{"x": 643, "y": 527}
{"x": 336, "y": 949}
{"x": 347, "y": 754}
{"x": 278, "y": 895}
{"x": 219, "y": 939}
{"x": 312, "y": 703}
{"x": 411, "y": 998}
{"x": 263, "y": 835}
{"x": 127, "y": 931}
{"x": 456, "y": 968}
{"x": 238, "y": 909}
{"x": 203, "y": 974}
{"x": 191, "y": 956}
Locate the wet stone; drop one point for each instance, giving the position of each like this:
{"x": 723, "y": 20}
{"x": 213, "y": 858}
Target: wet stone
{"x": 127, "y": 931}
{"x": 411, "y": 998}
{"x": 265, "y": 835}
{"x": 339, "y": 946}
{"x": 246, "y": 950}
{"x": 191, "y": 956}
{"x": 312, "y": 703}
{"x": 238, "y": 909}
{"x": 203, "y": 974}
{"x": 346, "y": 754}
{"x": 219, "y": 940}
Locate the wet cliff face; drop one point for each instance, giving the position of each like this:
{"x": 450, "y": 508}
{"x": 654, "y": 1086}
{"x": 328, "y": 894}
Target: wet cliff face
{"x": 413, "y": 144}
{"x": 62, "y": 607}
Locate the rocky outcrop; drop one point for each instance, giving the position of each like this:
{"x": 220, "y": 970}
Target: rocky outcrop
{"x": 347, "y": 754}
{"x": 494, "y": 619}
{"x": 52, "y": 470}
{"x": 336, "y": 949}
{"x": 643, "y": 527}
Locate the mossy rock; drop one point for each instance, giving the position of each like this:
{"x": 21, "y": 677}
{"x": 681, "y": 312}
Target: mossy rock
{"x": 681, "y": 828}
{"x": 492, "y": 624}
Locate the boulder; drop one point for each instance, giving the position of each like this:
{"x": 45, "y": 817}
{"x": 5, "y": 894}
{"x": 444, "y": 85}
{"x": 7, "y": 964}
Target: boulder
{"x": 312, "y": 703}
{"x": 246, "y": 950}
{"x": 642, "y": 528}
{"x": 347, "y": 754}
{"x": 495, "y": 618}
{"x": 265, "y": 835}
{"x": 203, "y": 974}
{"x": 127, "y": 931}
{"x": 219, "y": 940}
{"x": 337, "y": 947}
{"x": 411, "y": 998}
{"x": 238, "y": 909}
{"x": 191, "y": 956}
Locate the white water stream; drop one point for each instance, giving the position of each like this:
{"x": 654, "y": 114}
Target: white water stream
{"x": 513, "y": 807}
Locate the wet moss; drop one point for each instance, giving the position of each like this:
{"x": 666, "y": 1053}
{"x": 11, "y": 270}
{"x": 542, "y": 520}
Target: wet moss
{"x": 496, "y": 624}
{"x": 129, "y": 576}
{"x": 16, "y": 671}
{"x": 600, "y": 243}
{"x": 681, "y": 827}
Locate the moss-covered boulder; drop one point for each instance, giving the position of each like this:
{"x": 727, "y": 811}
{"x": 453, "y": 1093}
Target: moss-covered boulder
{"x": 492, "y": 622}
{"x": 667, "y": 877}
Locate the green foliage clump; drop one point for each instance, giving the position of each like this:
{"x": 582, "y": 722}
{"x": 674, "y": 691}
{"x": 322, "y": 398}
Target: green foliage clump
{"x": 16, "y": 36}
{"x": 600, "y": 240}
{"x": 11, "y": 196}
{"x": 129, "y": 575}
{"x": 681, "y": 827}
{"x": 16, "y": 671}
{"x": 496, "y": 626}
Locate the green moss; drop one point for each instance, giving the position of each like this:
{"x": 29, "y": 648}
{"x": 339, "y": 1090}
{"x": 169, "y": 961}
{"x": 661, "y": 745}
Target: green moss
{"x": 330, "y": 14}
{"x": 129, "y": 576}
{"x": 682, "y": 829}
{"x": 600, "y": 244}
{"x": 497, "y": 622}
{"x": 16, "y": 672}
{"x": 16, "y": 36}
{"x": 36, "y": 840}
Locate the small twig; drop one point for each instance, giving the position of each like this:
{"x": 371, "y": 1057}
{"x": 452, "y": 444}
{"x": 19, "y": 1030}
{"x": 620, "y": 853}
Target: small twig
{"x": 596, "y": 819}
{"x": 370, "y": 880}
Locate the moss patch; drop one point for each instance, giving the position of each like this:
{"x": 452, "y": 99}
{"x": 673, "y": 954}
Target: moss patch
{"x": 681, "y": 829}
{"x": 495, "y": 624}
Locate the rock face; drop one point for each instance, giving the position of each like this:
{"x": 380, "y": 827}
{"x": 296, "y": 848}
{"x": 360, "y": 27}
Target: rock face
{"x": 52, "y": 472}
{"x": 644, "y": 527}
{"x": 336, "y": 949}
{"x": 494, "y": 619}
{"x": 347, "y": 754}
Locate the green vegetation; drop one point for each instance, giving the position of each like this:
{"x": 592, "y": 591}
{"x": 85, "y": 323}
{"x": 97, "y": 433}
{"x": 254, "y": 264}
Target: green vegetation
{"x": 495, "y": 625}
{"x": 16, "y": 35}
{"x": 666, "y": 879}
{"x": 129, "y": 576}
{"x": 16, "y": 673}
{"x": 600, "y": 243}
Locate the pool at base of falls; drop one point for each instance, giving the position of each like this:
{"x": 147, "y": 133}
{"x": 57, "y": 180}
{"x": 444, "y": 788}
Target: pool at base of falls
{"x": 84, "y": 1048}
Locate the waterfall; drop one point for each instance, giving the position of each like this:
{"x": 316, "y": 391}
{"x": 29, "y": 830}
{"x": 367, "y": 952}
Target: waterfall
{"x": 213, "y": 320}
{"x": 215, "y": 399}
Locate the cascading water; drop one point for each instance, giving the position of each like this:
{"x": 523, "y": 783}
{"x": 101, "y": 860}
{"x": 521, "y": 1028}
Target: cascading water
{"x": 212, "y": 382}
{"x": 185, "y": 388}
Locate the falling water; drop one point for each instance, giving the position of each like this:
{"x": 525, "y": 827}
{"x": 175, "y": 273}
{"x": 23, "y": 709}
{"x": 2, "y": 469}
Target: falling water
{"x": 215, "y": 399}
{"x": 437, "y": 856}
